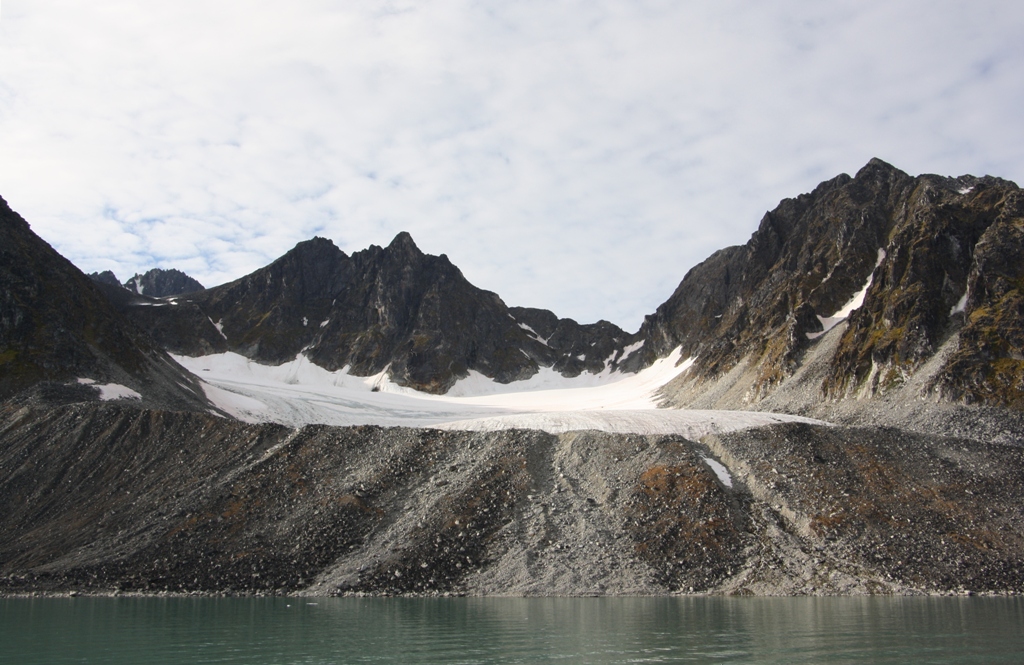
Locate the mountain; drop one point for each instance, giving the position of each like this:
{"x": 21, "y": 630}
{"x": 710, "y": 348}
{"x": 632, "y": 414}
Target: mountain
{"x": 392, "y": 309}
{"x": 62, "y": 338}
{"x": 106, "y": 277}
{"x": 872, "y": 285}
{"x": 156, "y": 283}
{"x": 878, "y": 299}
{"x": 934, "y": 265}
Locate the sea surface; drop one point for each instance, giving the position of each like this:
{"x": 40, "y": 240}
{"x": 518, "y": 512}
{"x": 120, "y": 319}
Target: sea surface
{"x": 511, "y": 630}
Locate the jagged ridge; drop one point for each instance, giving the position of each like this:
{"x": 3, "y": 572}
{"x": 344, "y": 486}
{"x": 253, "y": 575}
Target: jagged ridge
{"x": 942, "y": 240}
{"x": 392, "y": 309}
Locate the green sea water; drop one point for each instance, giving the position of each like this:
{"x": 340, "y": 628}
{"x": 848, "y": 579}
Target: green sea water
{"x": 511, "y": 630}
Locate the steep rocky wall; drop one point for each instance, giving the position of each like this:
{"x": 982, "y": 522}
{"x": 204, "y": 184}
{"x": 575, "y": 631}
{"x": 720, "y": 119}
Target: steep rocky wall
{"x": 98, "y": 498}
{"x": 941, "y": 258}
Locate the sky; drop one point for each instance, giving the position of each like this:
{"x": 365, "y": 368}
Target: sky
{"x": 579, "y": 156}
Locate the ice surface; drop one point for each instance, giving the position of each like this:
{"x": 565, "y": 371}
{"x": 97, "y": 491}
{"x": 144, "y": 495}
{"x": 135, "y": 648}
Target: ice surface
{"x": 299, "y": 393}
{"x": 691, "y": 424}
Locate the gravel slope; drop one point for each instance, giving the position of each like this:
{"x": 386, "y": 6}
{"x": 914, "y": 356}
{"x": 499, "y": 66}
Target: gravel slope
{"x": 104, "y": 498}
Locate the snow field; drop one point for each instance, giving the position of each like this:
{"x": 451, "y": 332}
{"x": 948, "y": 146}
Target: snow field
{"x": 300, "y": 393}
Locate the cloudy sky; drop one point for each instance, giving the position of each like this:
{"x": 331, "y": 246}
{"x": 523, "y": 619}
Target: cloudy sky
{"x": 574, "y": 155}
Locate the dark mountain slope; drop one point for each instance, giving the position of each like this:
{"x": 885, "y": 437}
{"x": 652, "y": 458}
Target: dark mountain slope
{"x": 390, "y": 309}
{"x": 933, "y": 239}
{"x": 56, "y": 327}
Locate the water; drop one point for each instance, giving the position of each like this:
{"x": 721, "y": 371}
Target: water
{"x": 511, "y": 630}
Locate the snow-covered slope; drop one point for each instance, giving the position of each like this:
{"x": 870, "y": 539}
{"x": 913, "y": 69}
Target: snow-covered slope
{"x": 300, "y": 393}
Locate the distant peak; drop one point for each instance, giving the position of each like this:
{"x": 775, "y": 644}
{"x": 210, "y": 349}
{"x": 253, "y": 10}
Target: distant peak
{"x": 405, "y": 242}
{"x": 316, "y": 241}
{"x": 316, "y": 246}
{"x": 876, "y": 165}
{"x": 105, "y": 277}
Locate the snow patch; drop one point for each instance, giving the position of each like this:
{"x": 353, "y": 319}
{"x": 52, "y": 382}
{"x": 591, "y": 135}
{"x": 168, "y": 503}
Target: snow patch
{"x": 635, "y": 346}
{"x": 219, "y": 325}
{"x": 830, "y": 322}
{"x": 960, "y": 306}
{"x": 547, "y": 385}
{"x": 965, "y": 190}
{"x": 305, "y": 321}
{"x": 720, "y": 471}
{"x": 325, "y": 322}
{"x": 111, "y": 391}
{"x": 533, "y": 333}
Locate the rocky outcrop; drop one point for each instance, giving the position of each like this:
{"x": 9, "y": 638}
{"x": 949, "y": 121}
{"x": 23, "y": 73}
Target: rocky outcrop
{"x": 106, "y": 277}
{"x": 391, "y": 309}
{"x": 574, "y": 348}
{"x": 919, "y": 262}
{"x": 159, "y": 283}
{"x": 56, "y": 327}
{"x": 103, "y": 498}
{"x": 155, "y": 283}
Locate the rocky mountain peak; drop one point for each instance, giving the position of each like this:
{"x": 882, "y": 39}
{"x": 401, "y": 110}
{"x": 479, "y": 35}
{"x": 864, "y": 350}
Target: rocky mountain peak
{"x": 160, "y": 283}
{"x": 106, "y": 277}
{"x": 392, "y": 309}
{"x": 883, "y": 258}
{"x": 403, "y": 242}
{"x": 155, "y": 283}
{"x": 403, "y": 253}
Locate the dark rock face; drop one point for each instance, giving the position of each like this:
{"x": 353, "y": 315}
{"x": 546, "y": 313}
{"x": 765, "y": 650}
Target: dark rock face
{"x": 390, "y": 309}
{"x": 988, "y": 366}
{"x": 158, "y": 283}
{"x": 57, "y": 326}
{"x": 106, "y": 277}
{"x": 574, "y": 348}
{"x": 955, "y": 234}
{"x": 934, "y": 239}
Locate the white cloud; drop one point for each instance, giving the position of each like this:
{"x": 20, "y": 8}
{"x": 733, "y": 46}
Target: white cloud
{"x": 579, "y": 156}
